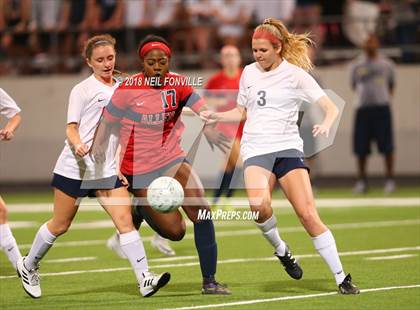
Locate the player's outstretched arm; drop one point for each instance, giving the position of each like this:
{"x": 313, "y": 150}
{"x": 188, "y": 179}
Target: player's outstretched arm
{"x": 235, "y": 115}
{"x": 7, "y": 133}
{"x": 331, "y": 113}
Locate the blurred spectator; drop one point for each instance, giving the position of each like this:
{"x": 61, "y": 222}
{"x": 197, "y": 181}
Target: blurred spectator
{"x": 108, "y": 17}
{"x": 361, "y": 19}
{"x": 307, "y": 18}
{"x": 221, "y": 94}
{"x": 203, "y": 19}
{"x": 74, "y": 27}
{"x": 232, "y": 17}
{"x": 162, "y": 12}
{"x": 406, "y": 15}
{"x": 372, "y": 78}
{"x": 332, "y": 22}
{"x": 135, "y": 20}
{"x": 45, "y": 15}
{"x": 14, "y": 21}
{"x": 263, "y": 9}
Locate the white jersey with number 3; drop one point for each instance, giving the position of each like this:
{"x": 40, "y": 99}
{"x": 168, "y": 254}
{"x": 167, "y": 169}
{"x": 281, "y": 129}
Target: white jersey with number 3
{"x": 272, "y": 100}
{"x": 86, "y": 103}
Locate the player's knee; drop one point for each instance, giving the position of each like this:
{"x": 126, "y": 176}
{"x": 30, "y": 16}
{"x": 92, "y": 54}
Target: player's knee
{"x": 59, "y": 228}
{"x": 260, "y": 203}
{"x": 309, "y": 218}
{"x": 175, "y": 233}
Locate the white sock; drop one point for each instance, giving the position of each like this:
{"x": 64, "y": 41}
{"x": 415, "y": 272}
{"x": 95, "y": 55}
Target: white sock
{"x": 325, "y": 245}
{"x": 132, "y": 246}
{"x": 43, "y": 241}
{"x": 8, "y": 244}
{"x": 271, "y": 233}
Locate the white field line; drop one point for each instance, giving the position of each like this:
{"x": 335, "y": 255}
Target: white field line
{"x": 88, "y": 258}
{"x": 229, "y": 233}
{"x": 258, "y": 301}
{"x": 233, "y": 233}
{"x": 390, "y": 257}
{"x": 73, "y": 259}
{"x": 92, "y": 204}
{"x": 227, "y": 261}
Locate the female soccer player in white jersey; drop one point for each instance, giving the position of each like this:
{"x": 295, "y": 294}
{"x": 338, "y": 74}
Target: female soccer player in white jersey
{"x": 270, "y": 92}
{"x": 75, "y": 175}
{"x": 11, "y": 111}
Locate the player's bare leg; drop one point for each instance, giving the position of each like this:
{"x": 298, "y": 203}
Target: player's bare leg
{"x": 296, "y": 186}
{"x": 260, "y": 183}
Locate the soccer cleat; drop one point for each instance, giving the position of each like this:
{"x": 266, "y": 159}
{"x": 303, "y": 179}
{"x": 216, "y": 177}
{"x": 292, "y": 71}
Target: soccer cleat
{"x": 347, "y": 287}
{"x": 162, "y": 245}
{"x": 215, "y": 288}
{"x": 30, "y": 279}
{"x": 360, "y": 187}
{"x": 290, "y": 264}
{"x": 389, "y": 186}
{"x": 113, "y": 244}
{"x": 151, "y": 283}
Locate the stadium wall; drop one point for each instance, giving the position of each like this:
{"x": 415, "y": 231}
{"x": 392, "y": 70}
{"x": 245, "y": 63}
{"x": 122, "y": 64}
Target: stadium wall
{"x": 31, "y": 156}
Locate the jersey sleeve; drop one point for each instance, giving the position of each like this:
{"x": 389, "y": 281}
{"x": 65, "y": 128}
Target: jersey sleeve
{"x": 8, "y": 106}
{"x": 308, "y": 87}
{"x": 191, "y": 99}
{"x": 243, "y": 93}
{"x": 76, "y": 102}
{"x": 115, "y": 110}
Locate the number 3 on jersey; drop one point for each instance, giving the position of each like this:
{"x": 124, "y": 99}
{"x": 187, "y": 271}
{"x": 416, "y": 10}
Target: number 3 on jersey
{"x": 261, "y": 99}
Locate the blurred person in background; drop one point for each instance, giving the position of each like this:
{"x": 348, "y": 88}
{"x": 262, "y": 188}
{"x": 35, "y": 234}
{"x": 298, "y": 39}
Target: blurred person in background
{"x": 307, "y": 19}
{"x": 45, "y": 15}
{"x": 221, "y": 93}
{"x": 233, "y": 17}
{"x": 14, "y": 37}
{"x": 74, "y": 26}
{"x": 202, "y": 14}
{"x": 10, "y": 110}
{"x": 372, "y": 77}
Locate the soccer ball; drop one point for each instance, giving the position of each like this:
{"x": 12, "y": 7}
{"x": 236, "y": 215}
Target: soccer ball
{"x": 165, "y": 194}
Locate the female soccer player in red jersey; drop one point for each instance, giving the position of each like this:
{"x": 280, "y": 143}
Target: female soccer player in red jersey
{"x": 147, "y": 108}
{"x": 221, "y": 91}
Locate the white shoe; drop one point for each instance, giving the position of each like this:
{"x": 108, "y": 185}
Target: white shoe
{"x": 113, "y": 244}
{"x": 389, "y": 186}
{"x": 151, "y": 282}
{"x": 162, "y": 245}
{"x": 30, "y": 279}
{"x": 360, "y": 187}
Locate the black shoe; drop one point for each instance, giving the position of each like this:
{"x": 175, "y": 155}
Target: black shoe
{"x": 215, "y": 288}
{"x": 346, "y": 287}
{"x": 290, "y": 264}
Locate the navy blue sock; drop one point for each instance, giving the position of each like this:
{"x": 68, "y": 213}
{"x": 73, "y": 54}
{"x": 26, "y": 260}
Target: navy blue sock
{"x": 205, "y": 242}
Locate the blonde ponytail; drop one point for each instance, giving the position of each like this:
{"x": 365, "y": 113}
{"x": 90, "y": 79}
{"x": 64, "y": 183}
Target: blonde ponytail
{"x": 294, "y": 46}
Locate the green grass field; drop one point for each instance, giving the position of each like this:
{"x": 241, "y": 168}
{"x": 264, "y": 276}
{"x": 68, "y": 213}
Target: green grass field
{"x": 379, "y": 246}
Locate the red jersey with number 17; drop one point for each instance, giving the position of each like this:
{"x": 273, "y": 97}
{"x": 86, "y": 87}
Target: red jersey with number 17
{"x": 151, "y": 128}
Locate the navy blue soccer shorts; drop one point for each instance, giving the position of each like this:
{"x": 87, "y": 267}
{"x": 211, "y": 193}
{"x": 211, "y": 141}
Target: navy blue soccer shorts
{"x": 373, "y": 123}
{"x": 279, "y": 163}
{"x": 84, "y": 188}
